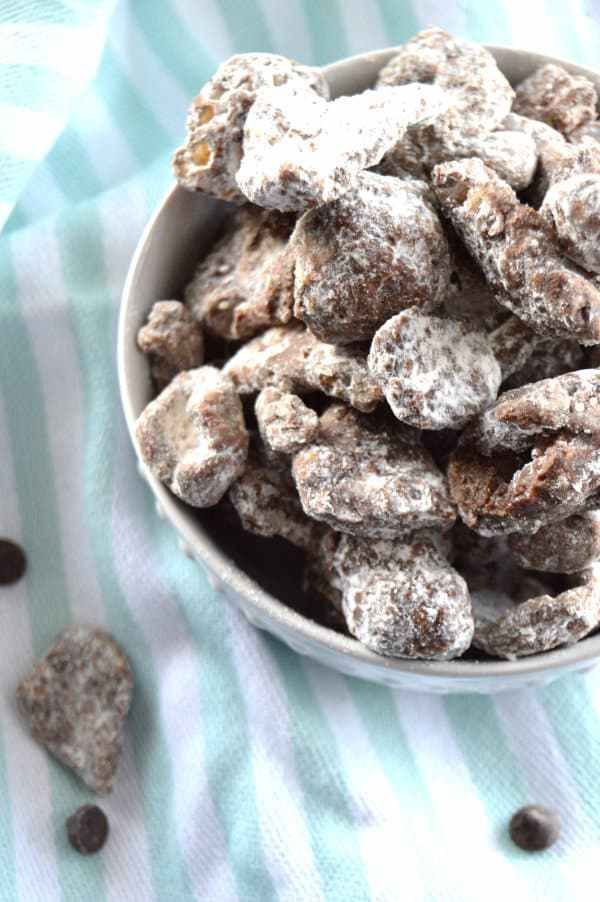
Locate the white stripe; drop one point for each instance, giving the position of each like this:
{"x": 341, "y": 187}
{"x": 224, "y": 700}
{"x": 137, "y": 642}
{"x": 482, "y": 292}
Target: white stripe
{"x": 456, "y": 802}
{"x": 5, "y": 210}
{"x": 27, "y": 134}
{"x": 175, "y": 658}
{"x": 69, "y": 51}
{"x": 279, "y": 799}
{"x": 208, "y": 26}
{"x": 161, "y": 92}
{"x": 532, "y": 28}
{"x": 26, "y": 762}
{"x": 363, "y": 24}
{"x": 386, "y": 833}
{"x": 287, "y": 26}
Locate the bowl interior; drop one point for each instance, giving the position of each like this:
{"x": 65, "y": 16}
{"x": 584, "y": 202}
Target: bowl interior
{"x": 264, "y": 575}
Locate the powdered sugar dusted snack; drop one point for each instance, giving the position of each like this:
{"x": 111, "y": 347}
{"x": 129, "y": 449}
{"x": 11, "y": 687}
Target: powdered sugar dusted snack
{"x": 435, "y": 373}
{"x": 285, "y": 423}
{"x": 548, "y": 358}
{"x": 517, "y": 252}
{"x": 532, "y": 459}
{"x": 513, "y": 343}
{"x": 509, "y": 630}
{"x": 365, "y": 257}
{"x": 75, "y": 702}
{"x": 379, "y": 256}
{"x": 267, "y": 503}
{"x": 403, "y": 600}
{"x": 172, "y": 339}
{"x": 480, "y": 95}
{"x": 370, "y": 476}
{"x": 565, "y": 547}
{"x": 300, "y": 151}
{"x": 193, "y": 437}
{"x": 292, "y": 359}
{"x": 245, "y": 284}
{"x": 210, "y": 158}
{"x": 562, "y": 100}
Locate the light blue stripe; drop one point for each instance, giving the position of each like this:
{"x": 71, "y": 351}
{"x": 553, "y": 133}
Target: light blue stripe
{"x": 399, "y": 20}
{"x": 327, "y": 806}
{"x": 51, "y": 12}
{"x": 576, "y": 726}
{"x": 222, "y": 719}
{"x": 487, "y": 23}
{"x": 93, "y": 313}
{"x": 69, "y": 163}
{"x": 326, "y": 31}
{"x": 190, "y": 61}
{"x": 246, "y": 25}
{"x": 49, "y": 606}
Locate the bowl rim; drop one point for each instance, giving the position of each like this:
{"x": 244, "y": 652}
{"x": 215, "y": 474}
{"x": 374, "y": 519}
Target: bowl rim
{"x": 228, "y": 575}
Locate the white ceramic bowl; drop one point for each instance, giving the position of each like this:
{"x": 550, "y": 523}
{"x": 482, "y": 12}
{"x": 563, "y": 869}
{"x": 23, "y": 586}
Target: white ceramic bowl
{"x": 181, "y": 229}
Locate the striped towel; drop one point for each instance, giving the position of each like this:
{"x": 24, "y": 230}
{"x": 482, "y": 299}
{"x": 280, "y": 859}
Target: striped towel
{"x": 248, "y": 773}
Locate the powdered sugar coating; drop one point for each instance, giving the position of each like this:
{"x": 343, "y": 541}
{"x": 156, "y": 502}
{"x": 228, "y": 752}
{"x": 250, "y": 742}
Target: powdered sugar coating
{"x": 549, "y": 357}
{"x": 211, "y": 156}
{"x": 556, "y": 97}
{"x": 470, "y": 298}
{"x": 513, "y": 343}
{"x": 370, "y": 476}
{"x": 480, "y": 95}
{"x": 512, "y": 155}
{"x": 173, "y": 341}
{"x": 292, "y": 359}
{"x": 301, "y": 152}
{"x": 565, "y": 547}
{"x": 403, "y": 600}
{"x": 542, "y": 622}
{"x": 75, "y": 702}
{"x": 517, "y": 253}
{"x": 245, "y": 283}
{"x": 285, "y": 423}
{"x": 192, "y": 436}
{"x": 365, "y": 257}
{"x": 435, "y": 373}
{"x": 587, "y": 131}
{"x": 572, "y": 205}
{"x": 267, "y": 504}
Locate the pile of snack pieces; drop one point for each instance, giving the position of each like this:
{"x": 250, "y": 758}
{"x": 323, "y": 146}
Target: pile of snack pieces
{"x": 418, "y": 338}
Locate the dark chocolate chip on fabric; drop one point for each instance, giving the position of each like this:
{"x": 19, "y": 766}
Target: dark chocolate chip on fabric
{"x": 87, "y": 829}
{"x": 534, "y": 828}
{"x": 12, "y": 562}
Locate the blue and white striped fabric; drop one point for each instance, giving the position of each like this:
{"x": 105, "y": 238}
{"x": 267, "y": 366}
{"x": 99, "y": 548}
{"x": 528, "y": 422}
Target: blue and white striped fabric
{"x": 248, "y": 774}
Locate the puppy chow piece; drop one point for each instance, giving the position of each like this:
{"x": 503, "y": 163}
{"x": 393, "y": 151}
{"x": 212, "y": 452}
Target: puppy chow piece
{"x": 301, "y": 152}
{"x": 192, "y": 436}
{"x": 531, "y": 459}
{"x": 292, "y": 359}
{"x": 365, "y": 257}
{"x": 75, "y": 702}
{"x": 370, "y": 476}
{"x": 512, "y": 155}
{"x": 517, "y": 252}
{"x": 403, "y": 600}
{"x": 513, "y": 343}
{"x": 245, "y": 284}
{"x": 548, "y": 358}
{"x": 512, "y": 630}
{"x": 285, "y": 423}
{"x": 470, "y": 298}
{"x": 572, "y": 206}
{"x": 267, "y": 503}
{"x": 583, "y": 132}
{"x": 172, "y": 339}
{"x": 553, "y": 95}
{"x": 435, "y": 373}
{"x": 211, "y": 156}
{"x": 569, "y": 546}
{"x": 480, "y": 95}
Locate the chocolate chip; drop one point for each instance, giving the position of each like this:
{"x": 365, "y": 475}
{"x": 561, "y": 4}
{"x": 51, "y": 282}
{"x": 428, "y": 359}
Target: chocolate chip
{"x": 87, "y": 829}
{"x": 534, "y": 828}
{"x": 12, "y": 562}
